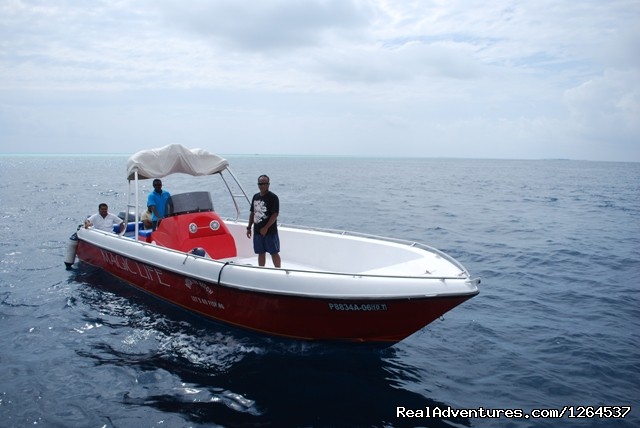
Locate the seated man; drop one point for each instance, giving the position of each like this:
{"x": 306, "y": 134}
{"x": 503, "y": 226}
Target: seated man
{"x": 146, "y": 219}
{"x": 104, "y": 220}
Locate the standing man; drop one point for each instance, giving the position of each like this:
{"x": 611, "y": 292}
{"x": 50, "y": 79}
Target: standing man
{"x": 104, "y": 220}
{"x": 157, "y": 203}
{"x": 265, "y": 207}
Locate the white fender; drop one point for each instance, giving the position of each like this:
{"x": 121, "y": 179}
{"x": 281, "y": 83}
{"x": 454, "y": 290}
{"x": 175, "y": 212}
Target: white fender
{"x": 72, "y": 248}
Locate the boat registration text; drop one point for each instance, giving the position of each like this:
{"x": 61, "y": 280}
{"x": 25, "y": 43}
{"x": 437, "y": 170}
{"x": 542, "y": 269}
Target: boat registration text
{"x": 366, "y": 307}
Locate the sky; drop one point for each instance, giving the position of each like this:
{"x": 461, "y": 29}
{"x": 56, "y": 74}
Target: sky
{"x": 504, "y": 79}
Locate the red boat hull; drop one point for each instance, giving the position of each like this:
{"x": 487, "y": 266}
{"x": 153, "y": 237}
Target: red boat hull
{"x": 329, "y": 319}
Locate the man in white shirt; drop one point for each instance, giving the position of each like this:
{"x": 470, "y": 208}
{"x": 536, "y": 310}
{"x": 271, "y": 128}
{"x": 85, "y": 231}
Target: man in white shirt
{"x": 104, "y": 220}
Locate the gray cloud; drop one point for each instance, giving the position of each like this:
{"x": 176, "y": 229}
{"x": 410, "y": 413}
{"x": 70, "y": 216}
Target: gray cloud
{"x": 260, "y": 26}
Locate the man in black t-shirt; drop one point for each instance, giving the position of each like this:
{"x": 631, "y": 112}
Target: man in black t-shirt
{"x": 265, "y": 207}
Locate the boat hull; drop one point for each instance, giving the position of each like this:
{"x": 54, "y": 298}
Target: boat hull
{"x": 376, "y": 319}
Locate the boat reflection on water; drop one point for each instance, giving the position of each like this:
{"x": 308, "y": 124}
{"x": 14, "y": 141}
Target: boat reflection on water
{"x": 194, "y": 369}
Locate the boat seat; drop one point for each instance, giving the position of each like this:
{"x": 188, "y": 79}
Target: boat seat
{"x": 130, "y": 227}
{"x": 206, "y": 230}
{"x": 145, "y": 235}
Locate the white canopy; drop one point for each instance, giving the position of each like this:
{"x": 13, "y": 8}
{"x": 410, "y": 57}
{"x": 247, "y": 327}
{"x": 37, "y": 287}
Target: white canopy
{"x": 158, "y": 163}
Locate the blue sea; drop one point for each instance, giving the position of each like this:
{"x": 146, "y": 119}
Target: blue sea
{"x": 556, "y": 325}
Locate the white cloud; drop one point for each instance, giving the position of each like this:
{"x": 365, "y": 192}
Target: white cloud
{"x": 607, "y": 108}
{"x": 447, "y": 78}
{"x": 268, "y": 26}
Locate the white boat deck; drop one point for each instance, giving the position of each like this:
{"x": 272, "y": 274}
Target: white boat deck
{"x": 315, "y": 251}
{"x": 439, "y": 267}
{"x": 286, "y": 264}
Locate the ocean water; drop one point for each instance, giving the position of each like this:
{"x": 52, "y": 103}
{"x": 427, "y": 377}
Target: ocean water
{"x": 555, "y": 326}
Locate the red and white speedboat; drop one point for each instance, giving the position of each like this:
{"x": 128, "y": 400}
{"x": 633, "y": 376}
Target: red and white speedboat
{"x": 333, "y": 286}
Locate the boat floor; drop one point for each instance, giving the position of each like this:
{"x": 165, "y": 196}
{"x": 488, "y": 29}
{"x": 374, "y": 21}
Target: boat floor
{"x": 414, "y": 268}
{"x": 253, "y": 261}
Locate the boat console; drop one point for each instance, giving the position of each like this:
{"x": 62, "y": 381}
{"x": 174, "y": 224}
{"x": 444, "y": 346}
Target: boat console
{"x": 191, "y": 223}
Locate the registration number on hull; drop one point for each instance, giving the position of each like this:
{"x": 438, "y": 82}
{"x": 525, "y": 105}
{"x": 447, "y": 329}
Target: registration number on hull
{"x": 364, "y": 307}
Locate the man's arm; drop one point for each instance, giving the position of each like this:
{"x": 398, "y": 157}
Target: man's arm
{"x": 265, "y": 228}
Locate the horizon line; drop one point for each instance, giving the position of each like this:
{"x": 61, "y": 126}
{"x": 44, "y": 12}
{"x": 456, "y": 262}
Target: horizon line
{"x": 49, "y": 154}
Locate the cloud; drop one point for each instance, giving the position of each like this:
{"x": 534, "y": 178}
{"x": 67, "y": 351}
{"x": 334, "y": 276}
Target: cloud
{"x": 410, "y": 62}
{"x": 498, "y": 79}
{"x": 267, "y": 26}
{"x": 607, "y": 108}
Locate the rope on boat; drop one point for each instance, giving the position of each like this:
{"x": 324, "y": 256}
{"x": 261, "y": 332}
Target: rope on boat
{"x": 221, "y": 269}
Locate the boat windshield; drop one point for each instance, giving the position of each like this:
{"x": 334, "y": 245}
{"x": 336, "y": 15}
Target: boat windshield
{"x": 190, "y": 202}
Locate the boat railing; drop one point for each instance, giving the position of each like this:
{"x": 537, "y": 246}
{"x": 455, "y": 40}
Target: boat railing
{"x": 464, "y": 274}
{"x": 235, "y": 196}
{"x": 134, "y": 205}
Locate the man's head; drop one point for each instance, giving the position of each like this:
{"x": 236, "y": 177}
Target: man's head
{"x": 263, "y": 183}
{"x": 103, "y": 209}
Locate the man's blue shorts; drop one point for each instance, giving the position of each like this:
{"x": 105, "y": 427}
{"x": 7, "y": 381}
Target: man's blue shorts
{"x": 269, "y": 243}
